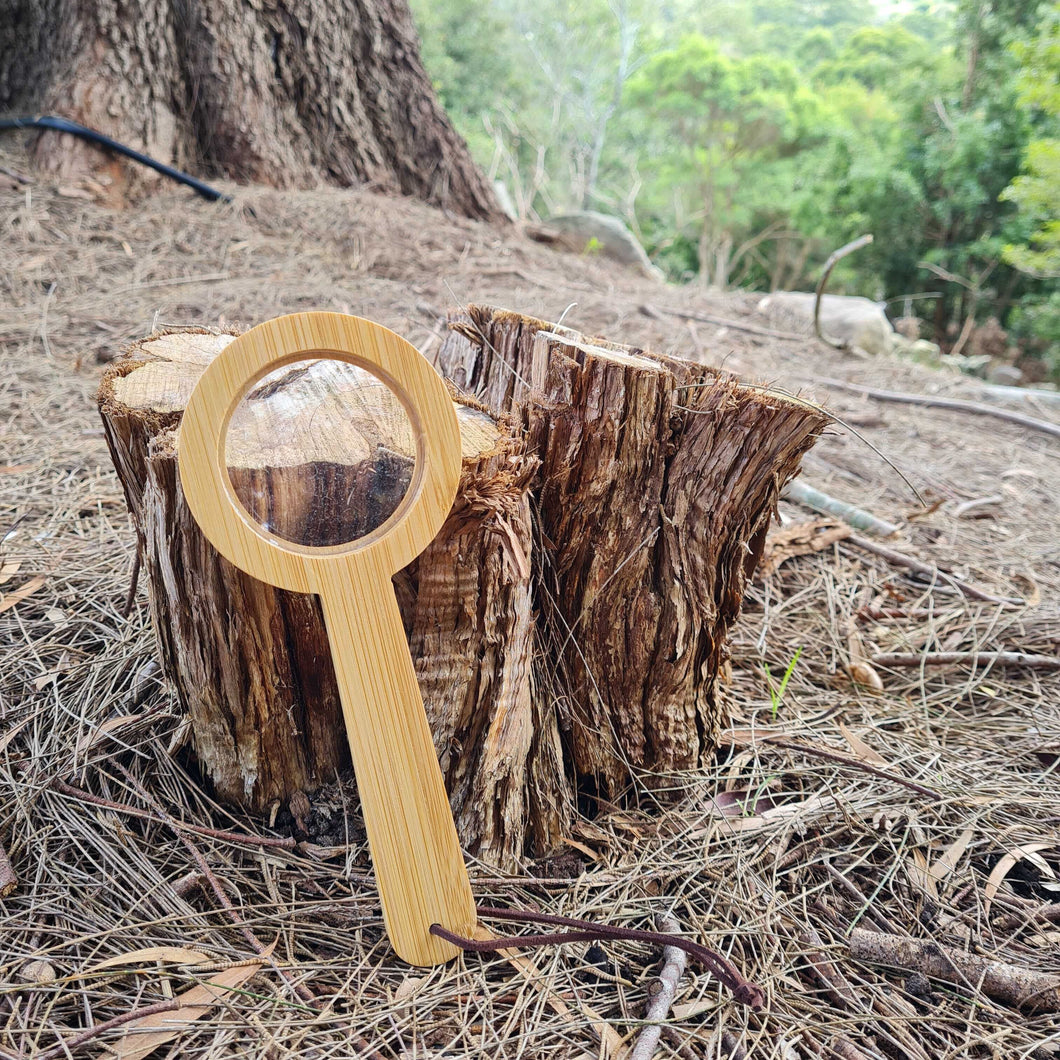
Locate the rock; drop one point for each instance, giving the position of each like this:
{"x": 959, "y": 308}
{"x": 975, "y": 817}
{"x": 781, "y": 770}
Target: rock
{"x": 504, "y": 199}
{"x": 1004, "y": 375}
{"x": 922, "y": 350}
{"x": 852, "y": 320}
{"x": 588, "y": 232}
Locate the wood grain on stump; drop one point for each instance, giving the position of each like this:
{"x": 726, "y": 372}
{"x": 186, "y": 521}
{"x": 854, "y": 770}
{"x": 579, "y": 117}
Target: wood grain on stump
{"x": 569, "y": 621}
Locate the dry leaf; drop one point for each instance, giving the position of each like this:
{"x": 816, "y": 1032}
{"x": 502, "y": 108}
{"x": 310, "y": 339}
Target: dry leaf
{"x": 153, "y": 954}
{"x": 587, "y": 851}
{"x": 7, "y": 737}
{"x": 10, "y": 600}
{"x": 920, "y": 876}
{"x": 145, "y": 1035}
{"x": 404, "y": 992}
{"x": 864, "y": 674}
{"x": 862, "y": 749}
{"x": 799, "y": 540}
{"x": 101, "y": 732}
{"x": 942, "y": 867}
{"x": 1004, "y": 867}
{"x": 37, "y": 972}
{"x": 9, "y": 569}
{"x": 14, "y": 469}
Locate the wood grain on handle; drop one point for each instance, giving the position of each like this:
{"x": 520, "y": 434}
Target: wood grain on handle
{"x": 418, "y": 864}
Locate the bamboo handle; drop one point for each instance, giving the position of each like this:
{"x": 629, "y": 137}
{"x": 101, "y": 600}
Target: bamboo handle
{"x": 418, "y": 863}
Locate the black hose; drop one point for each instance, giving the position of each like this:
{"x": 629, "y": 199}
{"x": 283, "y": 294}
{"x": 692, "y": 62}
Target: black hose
{"x": 48, "y": 121}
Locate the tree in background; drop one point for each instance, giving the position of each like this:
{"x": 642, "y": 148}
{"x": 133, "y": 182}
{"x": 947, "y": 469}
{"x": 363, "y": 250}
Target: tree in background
{"x": 753, "y": 137}
{"x": 714, "y": 121}
{"x": 282, "y": 93}
{"x": 1036, "y": 191}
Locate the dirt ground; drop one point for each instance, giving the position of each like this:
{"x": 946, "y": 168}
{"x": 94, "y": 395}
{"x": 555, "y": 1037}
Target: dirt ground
{"x": 775, "y": 855}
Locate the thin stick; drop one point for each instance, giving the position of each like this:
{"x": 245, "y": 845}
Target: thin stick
{"x": 798, "y": 492}
{"x": 899, "y": 559}
{"x": 957, "y": 405}
{"x": 1007, "y": 983}
{"x": 8, "y": 876}
{"x": 674, "y": 961}
{"x": 975, "y": 658}
{"x": 289, "y": 843}
{"x": 15, "y": 176}
{"x": 854, "y": 763}
{"x": 724, "y": 322}
{"x": 222, "y": 896}
{"x": 63, "y": 1048}
{"x": 833, "y": 258}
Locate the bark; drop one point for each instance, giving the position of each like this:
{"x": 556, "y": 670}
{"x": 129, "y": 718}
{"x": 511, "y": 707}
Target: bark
{"x": 280, "y": 93}
{"x": 568, "y": 623}
{"x": 251, "y": 664}
{"x": 657, "y": 481}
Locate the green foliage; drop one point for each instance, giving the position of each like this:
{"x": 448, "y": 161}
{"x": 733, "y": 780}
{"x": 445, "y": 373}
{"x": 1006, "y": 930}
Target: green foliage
{"x": 744, "y": 140}
{"x": 776, "y": 691}
{"x": 1036, "y": 191}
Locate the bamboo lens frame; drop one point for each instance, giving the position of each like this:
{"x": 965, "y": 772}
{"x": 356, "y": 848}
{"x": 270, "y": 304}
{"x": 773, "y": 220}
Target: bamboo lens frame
{"x": 237, "y": 535}
{"x": 420, "y": 871}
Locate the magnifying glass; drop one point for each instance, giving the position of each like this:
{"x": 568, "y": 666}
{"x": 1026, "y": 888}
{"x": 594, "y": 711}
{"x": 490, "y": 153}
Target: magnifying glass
{"x": 418, "y": 863}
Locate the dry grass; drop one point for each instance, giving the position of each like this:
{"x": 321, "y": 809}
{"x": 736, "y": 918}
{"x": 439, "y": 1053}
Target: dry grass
{"x": 774, "y": 874}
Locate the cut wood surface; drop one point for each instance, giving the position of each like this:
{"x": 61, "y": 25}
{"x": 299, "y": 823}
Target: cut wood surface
{"x": 568, "y": 623}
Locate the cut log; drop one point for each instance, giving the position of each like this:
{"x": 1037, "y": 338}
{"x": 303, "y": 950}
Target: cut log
{"x": 568, "y": 623}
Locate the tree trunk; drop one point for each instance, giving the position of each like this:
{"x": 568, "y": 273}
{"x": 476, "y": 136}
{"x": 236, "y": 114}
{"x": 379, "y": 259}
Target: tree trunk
{"x": 280, "y": 93}
{"x": 569, "y": 621}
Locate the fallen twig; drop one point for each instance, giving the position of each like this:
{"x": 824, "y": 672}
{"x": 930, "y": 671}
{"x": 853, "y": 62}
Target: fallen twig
{"x": 723, "y": 322}
{"x": 215, "y": 885}
{"x": 15, "y": 176}
{"x": 854, "y": 763}
{"x": 66, "y": 1047}
{"x": 1008, "y": 983}
{"x": 833, "y": 258}
{"x": 8, "y": 876}
{"x": 956, "y": 404}
{"x": 798, "y": 492}
{"x": 289, "y": 843}
{"x": 665, "y": 990}
{"x": 975, "y": 658}
{"x": 899, "y": 559}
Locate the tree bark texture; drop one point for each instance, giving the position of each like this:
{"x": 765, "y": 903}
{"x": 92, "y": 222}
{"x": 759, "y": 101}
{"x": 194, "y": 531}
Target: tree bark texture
{"x": 568, "y": 623}
{"x": 289, "y": 94}
{"x": 656, "y": 484}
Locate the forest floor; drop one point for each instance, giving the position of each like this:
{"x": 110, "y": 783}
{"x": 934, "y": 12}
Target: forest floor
{"x": 938, "y": 821}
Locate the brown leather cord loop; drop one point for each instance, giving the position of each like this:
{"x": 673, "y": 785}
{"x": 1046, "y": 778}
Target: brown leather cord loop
{"x": 721, "y": 968}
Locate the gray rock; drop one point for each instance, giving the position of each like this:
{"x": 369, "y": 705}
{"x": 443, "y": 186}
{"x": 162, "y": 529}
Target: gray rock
{"x": 589, "y": 231}
{"x": 1004, "y": 375}
{"x": 855, "y": 321}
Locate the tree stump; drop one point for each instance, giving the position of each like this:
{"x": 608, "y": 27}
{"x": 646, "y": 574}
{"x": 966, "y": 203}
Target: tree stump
{"x": 569, "y": 621}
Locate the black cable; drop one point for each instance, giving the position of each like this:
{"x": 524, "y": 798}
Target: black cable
{"x": 48, "y": 121}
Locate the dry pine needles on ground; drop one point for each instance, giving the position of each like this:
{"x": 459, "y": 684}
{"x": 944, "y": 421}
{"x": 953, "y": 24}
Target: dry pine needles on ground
{"x": 773, "y": 857}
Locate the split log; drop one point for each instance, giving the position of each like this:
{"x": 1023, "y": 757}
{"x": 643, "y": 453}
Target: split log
{"x": 250, "y": 663}
{"x": 569, "y": 621}
{"x": 658, "y": 478}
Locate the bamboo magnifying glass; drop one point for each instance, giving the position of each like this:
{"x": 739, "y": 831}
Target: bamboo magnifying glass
{"x": 419, "y": 867}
